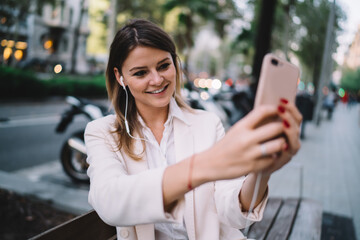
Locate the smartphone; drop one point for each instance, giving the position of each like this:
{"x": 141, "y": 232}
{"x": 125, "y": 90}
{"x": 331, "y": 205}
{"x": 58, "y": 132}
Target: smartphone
{"x": 278, "y": 79}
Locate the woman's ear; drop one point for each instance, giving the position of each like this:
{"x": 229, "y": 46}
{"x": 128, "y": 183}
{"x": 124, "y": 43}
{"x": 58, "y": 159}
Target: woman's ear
{"x": 119, "y": 78}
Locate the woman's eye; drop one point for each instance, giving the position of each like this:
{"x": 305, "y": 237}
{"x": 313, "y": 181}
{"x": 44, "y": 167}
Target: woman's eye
{"x": 140, "y": 73}
{"x": 164, "y": 66}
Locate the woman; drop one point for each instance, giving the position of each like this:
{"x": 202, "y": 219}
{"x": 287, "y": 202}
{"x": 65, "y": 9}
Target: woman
{"x": 156, "y": 165}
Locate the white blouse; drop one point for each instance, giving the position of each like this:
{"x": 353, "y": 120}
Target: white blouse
{"x": 161, "y": 156}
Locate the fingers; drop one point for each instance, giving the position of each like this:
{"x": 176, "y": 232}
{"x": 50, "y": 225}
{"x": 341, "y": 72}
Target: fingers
{"x": 292, "y": 109}
{"x": 270, "y": 148}
{"x": 291, "y": 119}
{"x": 258, "y": 115}
{"x": 267, "y": 131}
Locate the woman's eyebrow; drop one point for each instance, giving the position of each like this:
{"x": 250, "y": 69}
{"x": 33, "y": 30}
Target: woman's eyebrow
{"x": 142, "y": 67}
{"x": 137, "y": 68}
{"x": 164, "y": 60}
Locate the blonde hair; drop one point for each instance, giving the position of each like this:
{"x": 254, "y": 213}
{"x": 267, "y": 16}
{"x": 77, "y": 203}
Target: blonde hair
{"x": 136, "y": 33}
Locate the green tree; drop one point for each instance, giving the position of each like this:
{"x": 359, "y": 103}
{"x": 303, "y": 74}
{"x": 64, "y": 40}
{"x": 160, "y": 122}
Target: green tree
{"x": 117, "y": 13}
{"x": 270, "y": 30}
{"x": 299, "y": 27}
{"x": 312, "y": 33}
{"x": 350, "y": 80}
{"x": 190, "y": 14}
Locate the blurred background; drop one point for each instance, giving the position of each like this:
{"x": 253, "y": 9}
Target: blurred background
{"x": 52, "y": 49}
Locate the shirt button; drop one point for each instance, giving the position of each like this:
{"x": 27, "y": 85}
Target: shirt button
{"x": 124, "y": 233}
{"x": 177, "y": 225}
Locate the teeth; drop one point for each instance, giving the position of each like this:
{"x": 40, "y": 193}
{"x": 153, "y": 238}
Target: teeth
{"x": 158, "y": 91}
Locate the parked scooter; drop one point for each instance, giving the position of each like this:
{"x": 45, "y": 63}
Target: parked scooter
{"x": 73, "y": 152}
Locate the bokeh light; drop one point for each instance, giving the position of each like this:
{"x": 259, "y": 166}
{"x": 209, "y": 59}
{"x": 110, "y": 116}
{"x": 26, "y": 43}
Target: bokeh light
{"x": 301, "y": 86}
{"x": 7, "y": 53}
{"x": 341, "y": 92}
{"x": 48, "y": 44}
{"x": 202, "y": 83}
{"x": 58, "y": 68}
{"x": 208, "y": 83}
{"x": 204, "y": 95}
{"x": 18, "y": 55}
{"x": 216, "y": 84}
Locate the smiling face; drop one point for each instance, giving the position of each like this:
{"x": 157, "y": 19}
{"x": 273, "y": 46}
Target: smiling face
{"x": 150, "y": 75}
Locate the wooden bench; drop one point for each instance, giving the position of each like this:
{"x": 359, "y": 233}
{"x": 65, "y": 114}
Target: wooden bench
{"x": 294, "y": 219}
{"x": 85, "y": 227}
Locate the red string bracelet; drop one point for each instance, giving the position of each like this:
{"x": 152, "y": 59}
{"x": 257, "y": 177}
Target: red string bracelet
{"x": 190, "y": 187}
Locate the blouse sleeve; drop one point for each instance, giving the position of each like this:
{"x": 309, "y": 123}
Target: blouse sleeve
{"x": 228, "y": 205}
{"x": 121, "y": 199}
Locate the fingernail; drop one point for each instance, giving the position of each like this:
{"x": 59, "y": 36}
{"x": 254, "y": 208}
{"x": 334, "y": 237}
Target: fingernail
{"x": 283, "y": 100}
{"x": 281, "y": 109}
{"x": 286, "y": 123}
{"x": 286, "y": 147}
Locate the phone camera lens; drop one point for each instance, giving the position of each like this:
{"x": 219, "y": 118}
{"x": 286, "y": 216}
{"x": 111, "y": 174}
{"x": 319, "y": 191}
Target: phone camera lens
{"x": 274, "y": 62}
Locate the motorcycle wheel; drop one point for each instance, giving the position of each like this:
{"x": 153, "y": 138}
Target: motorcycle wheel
{"x": 73, "y": 161}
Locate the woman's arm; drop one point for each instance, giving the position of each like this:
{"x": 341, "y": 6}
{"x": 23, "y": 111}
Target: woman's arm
{"x": 238, "y": 154}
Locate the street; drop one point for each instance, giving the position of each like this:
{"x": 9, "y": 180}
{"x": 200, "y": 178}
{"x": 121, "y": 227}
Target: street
{"x": 28, "y": 136}
{"x": 27, "y": 132}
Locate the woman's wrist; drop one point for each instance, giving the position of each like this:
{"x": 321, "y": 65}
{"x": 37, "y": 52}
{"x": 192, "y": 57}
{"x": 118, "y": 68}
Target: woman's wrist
{"x": 247, "y": 190}
{"x": 202, "y": 170}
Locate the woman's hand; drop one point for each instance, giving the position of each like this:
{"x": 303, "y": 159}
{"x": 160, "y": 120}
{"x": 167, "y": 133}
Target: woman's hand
{"x": 251, "y": 147}
{"x": 240, "y": 151}
{"x": 291, "y": 119}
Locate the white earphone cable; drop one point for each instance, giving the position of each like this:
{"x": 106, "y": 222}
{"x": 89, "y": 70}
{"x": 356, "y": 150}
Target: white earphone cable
{"x": 252, "y": 204}
{"x": 126, "y": 122}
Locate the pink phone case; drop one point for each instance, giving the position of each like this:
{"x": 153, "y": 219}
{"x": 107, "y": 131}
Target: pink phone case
{"x": 278, "y": 79}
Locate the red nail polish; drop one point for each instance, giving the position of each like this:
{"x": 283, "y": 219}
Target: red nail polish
{"x": 281, "y": 109}
{"x": 283, "y": 100}
{"x": 286, "y": 147}
{"x": 286, "y": 123}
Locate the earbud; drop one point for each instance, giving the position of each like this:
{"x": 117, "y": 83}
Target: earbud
{"x": 126, "y": 109}
{"x": 122, "y": 82}
{"x": 126, "y": 122}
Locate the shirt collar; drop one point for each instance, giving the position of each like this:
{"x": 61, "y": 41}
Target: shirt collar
{"x": 175, "y": 111}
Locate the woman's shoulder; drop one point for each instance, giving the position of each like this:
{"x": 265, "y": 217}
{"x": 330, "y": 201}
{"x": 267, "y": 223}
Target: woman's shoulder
{"x": 103, "y": 123}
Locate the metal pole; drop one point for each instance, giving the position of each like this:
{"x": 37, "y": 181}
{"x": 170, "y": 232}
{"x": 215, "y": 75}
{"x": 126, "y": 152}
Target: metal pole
{"x": 324, "y": 63}
{"x": 112, "y": 22}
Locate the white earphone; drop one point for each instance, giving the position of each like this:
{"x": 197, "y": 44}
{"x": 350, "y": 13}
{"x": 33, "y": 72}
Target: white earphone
{"x": 122, "y": 82}
{"x": 126, "y": 106}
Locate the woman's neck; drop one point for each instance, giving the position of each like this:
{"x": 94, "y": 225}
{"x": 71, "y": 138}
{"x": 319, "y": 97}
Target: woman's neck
{"x": 155, "y": 120}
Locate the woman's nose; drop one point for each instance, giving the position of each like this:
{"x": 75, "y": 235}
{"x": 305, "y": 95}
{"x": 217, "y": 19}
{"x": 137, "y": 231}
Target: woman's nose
{"x": 156, "y": 79}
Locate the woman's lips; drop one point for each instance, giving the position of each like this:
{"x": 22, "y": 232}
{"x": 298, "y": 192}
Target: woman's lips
{"x": 159, "y": 90}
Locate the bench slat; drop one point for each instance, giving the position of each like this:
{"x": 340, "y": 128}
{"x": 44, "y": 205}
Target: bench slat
{"x": 84, "y": 227}
{"x": 283, "y": 223}
{"x": 308, "y": 221}
{"x": 260, "y": 229}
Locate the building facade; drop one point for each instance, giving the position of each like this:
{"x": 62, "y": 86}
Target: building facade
{"x": 352, "y": 57}
{"x": 48, "y": 38}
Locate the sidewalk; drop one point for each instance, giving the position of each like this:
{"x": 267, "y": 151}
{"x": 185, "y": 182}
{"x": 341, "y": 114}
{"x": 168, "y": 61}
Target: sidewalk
{"x": 66, "y": 197}
{"x": 330, "y": 162}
